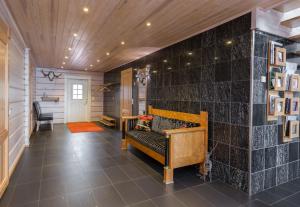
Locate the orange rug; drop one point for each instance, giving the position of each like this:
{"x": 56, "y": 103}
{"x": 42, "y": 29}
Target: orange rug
{"x": 76, "y": 127}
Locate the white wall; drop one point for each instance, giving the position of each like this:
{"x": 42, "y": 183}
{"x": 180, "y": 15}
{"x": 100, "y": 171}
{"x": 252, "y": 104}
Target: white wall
{"x": 57, "y": 88}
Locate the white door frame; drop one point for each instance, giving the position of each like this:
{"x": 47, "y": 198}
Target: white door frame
{"x": 77, "y": 77}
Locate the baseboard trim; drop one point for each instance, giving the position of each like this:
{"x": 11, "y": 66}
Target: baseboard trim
{"x": 15, "y": 163}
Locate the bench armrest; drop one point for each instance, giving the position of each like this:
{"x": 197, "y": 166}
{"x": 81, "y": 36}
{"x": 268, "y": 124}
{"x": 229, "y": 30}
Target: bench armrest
{"x": 128, "y": 123}
{"x": 183, "y": 130}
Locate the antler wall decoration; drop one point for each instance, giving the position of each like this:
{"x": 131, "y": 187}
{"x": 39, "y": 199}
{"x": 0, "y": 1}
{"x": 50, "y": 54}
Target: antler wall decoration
{"x": 51, "y": 75}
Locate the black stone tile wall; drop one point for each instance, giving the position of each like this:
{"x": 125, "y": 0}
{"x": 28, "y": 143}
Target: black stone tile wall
{"x": 273, "y": 162}
{"x": 215, "y": 78}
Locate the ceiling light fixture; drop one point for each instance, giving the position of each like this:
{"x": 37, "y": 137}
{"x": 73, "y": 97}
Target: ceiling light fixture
{"x": 107, "y": 53}
{"x": 143, "y": 75}
{"x": 165, "y": 60}
{"x": 75, "y": 34}
{"x": 190, "y": 53}
{"x": 98, "y": 61}
{"x": 86, "y": 9}
{"x": 85, "y": 69}
{"x": 229, "y": 42}
{"x": 122, "y": 43}
{"x": 63, "y": 63}
{"x": 169, "y": 68}
{"x": 148, "y": 24}
{"x": 91, "y": 65}
{"x": 69, "y": 49}
{"x": 61, "y": 66}
{"x": 66, "y": 57}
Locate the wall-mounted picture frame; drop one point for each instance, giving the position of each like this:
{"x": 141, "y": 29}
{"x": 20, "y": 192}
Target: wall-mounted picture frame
{"x": 278, "y": 81}
{"x": 280, "y": 56}
{"x": 293, "y": 129}
{"x": 294, "y": 84}
{"x": 279, "y": 107}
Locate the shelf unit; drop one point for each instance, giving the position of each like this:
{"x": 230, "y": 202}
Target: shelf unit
{"x": 282, "y": 102}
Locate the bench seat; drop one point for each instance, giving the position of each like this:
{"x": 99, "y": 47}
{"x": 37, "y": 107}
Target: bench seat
{"x": 152, "y": 140}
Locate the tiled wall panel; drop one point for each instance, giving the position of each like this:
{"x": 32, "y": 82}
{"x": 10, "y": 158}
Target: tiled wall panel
{"x": 273, "y": 162}
{"x": 214, "y": 78}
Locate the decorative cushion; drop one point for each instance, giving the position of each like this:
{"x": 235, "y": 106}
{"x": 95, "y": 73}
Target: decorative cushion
{"x": 144, "y": 123}
{"x": 152, "y": 140}
{"x": 159, "y": 124}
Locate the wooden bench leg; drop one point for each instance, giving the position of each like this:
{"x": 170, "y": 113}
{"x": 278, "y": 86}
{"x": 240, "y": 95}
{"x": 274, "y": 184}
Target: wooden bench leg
{"x": 124, "y": 145}
{"x": 202, "y": 169}
{"x": 168, "y": 175}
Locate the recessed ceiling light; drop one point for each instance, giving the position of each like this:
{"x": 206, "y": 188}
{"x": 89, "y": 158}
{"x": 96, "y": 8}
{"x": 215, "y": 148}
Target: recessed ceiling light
{"x": 148, "y": 24}
{"x": 165, "y": 60}
{"x": 122, "y": 43}
{"x": 190, "y": 53}
{"x": 169, "y": 68}
{"x": 66, "y": 57}
{"x": 188, "y": 63}
{"x": 61, "y": 66}
{"x": 229, "y": 42}
{"x": 75, "y": 34}
{"x": 91, "y": 65}
{"x": 107, "y": 53}
{"x": 69, "y": 49}
{"x": 154, "y": 71}
{"x": 86, "y": 9}
{"x": 63, "y": 63}
{"x": 98, "y": 61}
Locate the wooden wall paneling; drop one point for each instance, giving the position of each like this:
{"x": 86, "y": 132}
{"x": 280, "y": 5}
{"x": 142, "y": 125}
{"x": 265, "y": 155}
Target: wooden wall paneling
{"x": 110, "y": 22}
{"x": 126, "y": 94}
{"x": 4, "y": 165}
{"x": 16, "y": 102}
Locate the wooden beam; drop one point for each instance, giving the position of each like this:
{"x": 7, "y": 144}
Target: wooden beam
{"x": 292, "y": 23}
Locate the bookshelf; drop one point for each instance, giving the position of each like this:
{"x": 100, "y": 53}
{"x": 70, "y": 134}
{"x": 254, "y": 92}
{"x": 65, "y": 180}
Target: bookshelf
{"x": 283, "y": 86}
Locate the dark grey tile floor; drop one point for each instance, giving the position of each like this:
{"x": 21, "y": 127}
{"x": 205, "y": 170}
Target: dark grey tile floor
{"x": 61, "y": 169}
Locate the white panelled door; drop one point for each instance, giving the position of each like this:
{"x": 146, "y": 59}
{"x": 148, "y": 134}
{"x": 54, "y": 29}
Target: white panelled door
{"x": 77, "y": 100}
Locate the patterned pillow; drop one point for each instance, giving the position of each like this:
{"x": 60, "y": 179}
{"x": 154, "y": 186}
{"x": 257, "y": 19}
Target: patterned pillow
{"x": 159, "y": 124}
{"x": 144, "y": 123}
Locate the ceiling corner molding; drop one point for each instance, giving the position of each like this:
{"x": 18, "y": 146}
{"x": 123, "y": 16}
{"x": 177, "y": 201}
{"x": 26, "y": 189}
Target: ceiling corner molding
{"x": 10, "y": 21}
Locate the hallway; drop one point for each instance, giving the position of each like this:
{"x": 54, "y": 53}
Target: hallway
{"x": 88, "y": 169}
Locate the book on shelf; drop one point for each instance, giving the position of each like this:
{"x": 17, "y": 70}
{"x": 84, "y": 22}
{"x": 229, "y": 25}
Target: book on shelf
{"x": 287, "y": 124}
{"x": 287, "y": 105}
{"x": 272, "y": 45}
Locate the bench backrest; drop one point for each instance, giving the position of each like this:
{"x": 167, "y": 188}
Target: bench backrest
{"x": 201, "y": 118}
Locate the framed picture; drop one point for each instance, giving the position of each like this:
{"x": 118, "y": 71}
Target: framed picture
{"x": 280, "y": 56}
{"x": 294, "y": 82}
{"x": 293, "y": 129}
{"x": 279, "y": 82}
{"x": 279, "y": 107}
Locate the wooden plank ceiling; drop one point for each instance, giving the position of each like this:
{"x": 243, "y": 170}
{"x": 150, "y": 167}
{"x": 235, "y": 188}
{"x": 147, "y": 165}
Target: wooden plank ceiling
{"x": 48, "y": 27}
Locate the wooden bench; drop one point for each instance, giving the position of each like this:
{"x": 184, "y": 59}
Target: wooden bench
{"x": 178, "y": 147}
{"x": 107, "y": 121}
